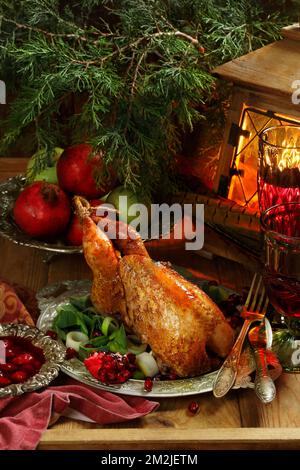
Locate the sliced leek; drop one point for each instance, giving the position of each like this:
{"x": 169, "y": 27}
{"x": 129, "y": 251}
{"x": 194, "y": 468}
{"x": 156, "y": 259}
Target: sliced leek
{"x": 75, "y": 338}
{"x": 147, "y": 364}
{"x": 109, "y": 325}
{"x": 134, "y": 346}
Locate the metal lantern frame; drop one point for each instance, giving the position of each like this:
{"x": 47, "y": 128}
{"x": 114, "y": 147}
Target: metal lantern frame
{"x": 262, "y": 85}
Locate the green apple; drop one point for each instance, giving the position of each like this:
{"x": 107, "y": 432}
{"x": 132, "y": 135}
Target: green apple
{"x": 57, "y": 153}
{"x": 132, "y": 198}
{"x": 47, "y": 174}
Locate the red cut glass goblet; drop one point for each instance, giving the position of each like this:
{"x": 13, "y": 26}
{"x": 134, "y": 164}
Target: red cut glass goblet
{"x": 281, "y": 227}
{"x": 279, "y": 166}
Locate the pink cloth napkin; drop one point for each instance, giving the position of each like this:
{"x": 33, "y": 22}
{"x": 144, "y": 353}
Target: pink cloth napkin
{"x": 23, "y": 419}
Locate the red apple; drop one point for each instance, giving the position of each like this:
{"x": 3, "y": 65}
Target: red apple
{"x": 74, "y": 233}
{"x": 76, "y": 170}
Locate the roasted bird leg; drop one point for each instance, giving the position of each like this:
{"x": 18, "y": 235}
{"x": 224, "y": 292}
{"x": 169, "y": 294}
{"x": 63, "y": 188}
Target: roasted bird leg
{"x": 107, "y": 289}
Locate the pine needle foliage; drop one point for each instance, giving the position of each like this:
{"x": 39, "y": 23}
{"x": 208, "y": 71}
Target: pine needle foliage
{"x": 127, "y": 75}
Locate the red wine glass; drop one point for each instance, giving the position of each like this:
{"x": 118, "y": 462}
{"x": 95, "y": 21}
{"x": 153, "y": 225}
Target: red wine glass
{"x": 279, "y": 166}
{"x": 281, "y": 227}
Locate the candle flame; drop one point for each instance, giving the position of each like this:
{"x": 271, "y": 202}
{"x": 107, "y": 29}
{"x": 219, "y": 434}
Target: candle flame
{"x": 283, "y": 155}
{"x": 290, "y": 157}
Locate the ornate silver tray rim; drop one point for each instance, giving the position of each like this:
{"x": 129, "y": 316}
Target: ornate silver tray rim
{"x": 53, "y": 296}
{"x": 54, "y": 354}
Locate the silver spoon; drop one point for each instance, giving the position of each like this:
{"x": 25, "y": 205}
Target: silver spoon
{"x": 264, "y": 386}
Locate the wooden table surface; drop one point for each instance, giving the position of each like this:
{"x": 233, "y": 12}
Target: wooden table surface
{"x": 238, "y": 421}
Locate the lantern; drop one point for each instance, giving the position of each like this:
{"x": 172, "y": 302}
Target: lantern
{"x": 266, "y": 93}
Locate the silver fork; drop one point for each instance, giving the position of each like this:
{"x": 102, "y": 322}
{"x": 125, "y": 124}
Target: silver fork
{"x": 254, "y": 310}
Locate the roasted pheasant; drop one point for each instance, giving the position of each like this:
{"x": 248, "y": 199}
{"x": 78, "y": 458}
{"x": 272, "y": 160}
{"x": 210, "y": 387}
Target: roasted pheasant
{"x": 176, "y": 318}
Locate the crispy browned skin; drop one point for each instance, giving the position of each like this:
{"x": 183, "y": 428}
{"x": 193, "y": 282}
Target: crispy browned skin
{"x": 107, "y": 289}
{"x": 175, "y": 317}
{"x": 125, "y": 237}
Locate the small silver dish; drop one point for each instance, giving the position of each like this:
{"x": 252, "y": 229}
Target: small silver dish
{"x": 54, "y": 353}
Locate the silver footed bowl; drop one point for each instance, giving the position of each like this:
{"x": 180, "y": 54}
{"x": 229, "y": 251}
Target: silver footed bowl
{"x": 54, "y": 353}
{"x": 9, "y": 191}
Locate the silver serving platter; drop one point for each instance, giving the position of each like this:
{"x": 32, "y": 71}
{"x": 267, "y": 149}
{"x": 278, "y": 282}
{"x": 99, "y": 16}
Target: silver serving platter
{"x": 9, "y": 191}
{"x": 56, "y": 295}
{"x": 54, "y": 353}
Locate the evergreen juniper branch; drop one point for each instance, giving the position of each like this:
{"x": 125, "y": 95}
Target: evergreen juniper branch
{"x": 136, "y": 69}
{"x": 133, "y": 45}
{"x": 79, "y": 36}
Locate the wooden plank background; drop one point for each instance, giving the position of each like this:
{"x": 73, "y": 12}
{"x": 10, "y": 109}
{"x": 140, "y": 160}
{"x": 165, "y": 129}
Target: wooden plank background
{"x": 270, "y": 69}
{"x": 237, "y": 421}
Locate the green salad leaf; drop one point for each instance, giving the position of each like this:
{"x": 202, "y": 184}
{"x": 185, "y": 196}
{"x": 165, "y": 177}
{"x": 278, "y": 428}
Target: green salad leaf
{"x": 217, "y": 293}
{"x": 81, "y": 303}
{"x": 79, "y": 314}
{"x": 69, "y": 318}
{"x": 109, "y": 325}
{"x": 118, "y": 341}
{"x": 94, "y": 345}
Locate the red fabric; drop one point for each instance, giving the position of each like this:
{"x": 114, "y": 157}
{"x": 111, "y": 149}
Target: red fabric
{"x": 12, "y": 310}
{"x": 23, "y": 419}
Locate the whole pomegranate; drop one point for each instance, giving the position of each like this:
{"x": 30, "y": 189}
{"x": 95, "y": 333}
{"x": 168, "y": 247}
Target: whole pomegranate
{"x": 42, "y": 210}
{"x": 76, "y": 170}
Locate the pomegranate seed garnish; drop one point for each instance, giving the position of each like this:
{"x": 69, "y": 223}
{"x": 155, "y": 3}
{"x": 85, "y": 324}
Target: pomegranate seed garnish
{"x": 52, "y": 334}
{"x": 193, "y": 407}
{"x": 24, "y": 358}
{"x": 8, "y": 367}
{"x": 30, "y": 369}
{"x": 37, "y": 364}
{"x": 12, "y": 352}
{"x": 96, "y": 334}
{"x": 172, "y": 377}
{"x": 123, "y": 376}
{"x": 71, "y": 353}
{"x": 4, "y": 381}
{"x": 23, "y": 361}
{"x": 19, "y": 376}
{"x": 110, "y": 377}
{"x": 148, "y": 384}
{"x": 109, "y": 367}
{"x": 131, "y": 358}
